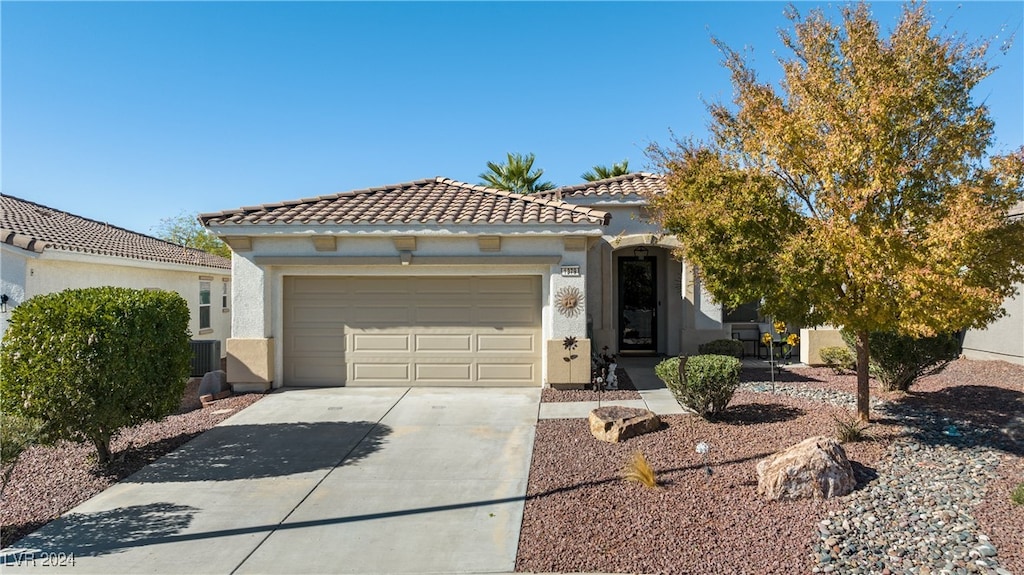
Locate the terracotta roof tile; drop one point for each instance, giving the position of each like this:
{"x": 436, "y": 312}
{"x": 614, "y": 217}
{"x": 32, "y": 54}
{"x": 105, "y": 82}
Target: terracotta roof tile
{"x": 435, "y": 200}
{"x": 36, "y": 227}
{"x": 641, "y": 184}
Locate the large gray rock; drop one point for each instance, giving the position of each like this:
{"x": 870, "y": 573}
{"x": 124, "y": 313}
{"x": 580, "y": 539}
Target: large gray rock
{"x": 616, "y": 423}
{"x": 214, "y": 382}
{"x": 815, "y": 467}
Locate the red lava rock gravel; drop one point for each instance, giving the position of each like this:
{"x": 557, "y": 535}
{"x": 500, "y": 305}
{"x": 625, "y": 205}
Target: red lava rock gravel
{"x": 581, "y": 516}
{"x": 626, "y": 391}
{"x": 49, "y": 481}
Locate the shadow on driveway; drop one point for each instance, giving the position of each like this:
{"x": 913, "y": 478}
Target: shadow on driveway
{"x": 230, "y": 452}
{"x": 82, "y": 534}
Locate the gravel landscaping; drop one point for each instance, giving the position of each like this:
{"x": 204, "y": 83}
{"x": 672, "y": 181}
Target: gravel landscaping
{"x": 49, "y": 481}
{"x": 625, "y": 391}
{"x": 933, "y": 492}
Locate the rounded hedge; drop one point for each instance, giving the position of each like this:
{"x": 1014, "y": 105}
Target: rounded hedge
{"x": 709, "y": 384}
{"x": 733, "y": 347}
{"x": 88, "y": 362}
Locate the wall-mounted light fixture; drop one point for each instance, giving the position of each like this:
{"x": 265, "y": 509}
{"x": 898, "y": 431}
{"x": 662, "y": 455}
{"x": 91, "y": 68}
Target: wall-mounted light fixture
{"x": 3, "y": 303}
{"x": 640, "y": 252}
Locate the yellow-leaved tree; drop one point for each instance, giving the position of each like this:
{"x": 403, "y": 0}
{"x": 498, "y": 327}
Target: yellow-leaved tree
{"x": 860, "y": 193}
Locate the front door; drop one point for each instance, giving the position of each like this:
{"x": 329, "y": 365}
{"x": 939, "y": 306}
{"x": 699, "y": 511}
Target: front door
{"x": 638, "y": 304}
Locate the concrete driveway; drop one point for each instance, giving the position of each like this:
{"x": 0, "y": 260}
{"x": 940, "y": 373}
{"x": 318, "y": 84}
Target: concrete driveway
{"x": 350, "y": 480}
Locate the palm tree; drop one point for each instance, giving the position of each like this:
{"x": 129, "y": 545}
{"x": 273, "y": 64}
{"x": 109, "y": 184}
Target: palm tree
{"x": 515, "y": 176}
{"x": 603, "y": 172}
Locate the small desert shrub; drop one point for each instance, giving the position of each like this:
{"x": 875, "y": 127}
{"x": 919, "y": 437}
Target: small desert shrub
{"x": 840, "y": 358}
{"x": 640, "y": 471}
{"x": 1017, "y": 495}
{"x": 88, "y": 362}
{"x": 733, "y": 347}
{"x": 850, "y": 429}
{"x": 708, "y": 386}
{"x": 897, "y": 361}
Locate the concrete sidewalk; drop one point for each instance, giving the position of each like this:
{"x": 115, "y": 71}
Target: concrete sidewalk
{"x": 342, "y": 480}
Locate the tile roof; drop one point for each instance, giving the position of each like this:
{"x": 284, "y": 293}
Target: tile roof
{"x": 635, "y": 184}
{"x": 434, "y": 201}
{"x": 36, "y": 228}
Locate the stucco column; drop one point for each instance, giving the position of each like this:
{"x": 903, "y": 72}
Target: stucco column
{"x": 250, "y": 349}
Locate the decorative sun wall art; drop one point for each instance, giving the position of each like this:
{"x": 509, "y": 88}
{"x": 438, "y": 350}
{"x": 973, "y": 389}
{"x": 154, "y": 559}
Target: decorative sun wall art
{"x": 569, "y": 301}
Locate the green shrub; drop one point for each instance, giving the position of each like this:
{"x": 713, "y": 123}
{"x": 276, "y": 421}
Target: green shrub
{"x": 733, "y": 347}
{"x": 1017, "y": 495}
{"x": 88, "y": 362}
{"x": 897, "y": 361}
{"x": 840, "y": 358}
{"x": 709, "y": 384}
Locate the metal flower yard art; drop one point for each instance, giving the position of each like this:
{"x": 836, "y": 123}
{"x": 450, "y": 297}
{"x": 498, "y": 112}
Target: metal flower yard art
{"x": 569, "y": 345}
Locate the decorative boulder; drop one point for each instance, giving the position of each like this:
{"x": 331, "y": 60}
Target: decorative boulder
{"x": 815, "y": 467}
{"x": 615, "y": 423}
{"x": 214, "y": 382}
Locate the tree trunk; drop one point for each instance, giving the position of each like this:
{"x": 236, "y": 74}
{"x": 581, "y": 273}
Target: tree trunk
{"x": 102, "y": 450}
{"x": 863, "y": 387}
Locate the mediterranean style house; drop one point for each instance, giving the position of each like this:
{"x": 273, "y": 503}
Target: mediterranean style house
{"x": 441, "y": 282}
{"x": 46, "y": 250}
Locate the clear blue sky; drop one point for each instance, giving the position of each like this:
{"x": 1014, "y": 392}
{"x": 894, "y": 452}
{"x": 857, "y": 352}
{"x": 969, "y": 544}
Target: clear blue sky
{"x": 132, "y": 112}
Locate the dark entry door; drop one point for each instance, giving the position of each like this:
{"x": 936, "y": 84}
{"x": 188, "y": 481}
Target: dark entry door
{"x": 638, "y": 304}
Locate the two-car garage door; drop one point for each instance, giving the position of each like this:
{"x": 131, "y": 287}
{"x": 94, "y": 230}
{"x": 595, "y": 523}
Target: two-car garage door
{"x": 423, "y": 330}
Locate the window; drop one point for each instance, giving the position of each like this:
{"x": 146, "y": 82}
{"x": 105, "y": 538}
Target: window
{"x": 747, "y": 312}
{"x": 204, "y": 305}
{"x": 225, "y": 295}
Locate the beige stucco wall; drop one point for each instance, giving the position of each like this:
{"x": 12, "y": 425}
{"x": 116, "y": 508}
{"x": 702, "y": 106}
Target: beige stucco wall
{"x": 1002, "y": 339}
{"x": 53, "y": 271}
{"x": 813, "y": 340}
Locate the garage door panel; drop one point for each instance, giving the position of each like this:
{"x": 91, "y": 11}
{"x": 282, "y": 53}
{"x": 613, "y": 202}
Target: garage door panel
{"x": 436, "y": 315}
{"x": 380, "y": 315}
{"x": 313, "y": 286}
{"x": 506, "y": 342}
{"x": 454, "y": 372}
{"x": 380, "y": 342}
{"x": 506, "y": 316}
{"x": 381, "y": 371}
{"x": 511, "y": 372}
{"x": 307, "y": 344}
{"x": 444, "y": 287}
{"x": 525, "y": 285}
{"x": 412, "y": 331}
{"x": 318, "y": 373}
{"x": 379, "y": 286}
{"x": 444, "y": 342}
{"x": 310, "y": 313}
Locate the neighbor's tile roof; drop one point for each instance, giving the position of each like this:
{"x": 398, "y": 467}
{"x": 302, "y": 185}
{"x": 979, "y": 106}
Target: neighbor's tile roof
{"x": 36, "y": 227}
{"x": 435, "y": 200}
{"x": 636, "y": 184}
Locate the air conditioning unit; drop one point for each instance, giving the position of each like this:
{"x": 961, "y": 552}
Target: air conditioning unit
{"x": 205, "y": 356}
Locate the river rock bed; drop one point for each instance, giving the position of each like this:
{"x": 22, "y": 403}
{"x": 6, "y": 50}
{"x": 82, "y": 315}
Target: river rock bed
{"x": 932, "y": 495}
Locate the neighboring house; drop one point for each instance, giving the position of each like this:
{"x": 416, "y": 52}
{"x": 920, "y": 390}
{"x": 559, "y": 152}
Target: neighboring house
{"x": 439, "y": 282}
{"x": 45, "y": 250}
{"x": 1004, "y": 338}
